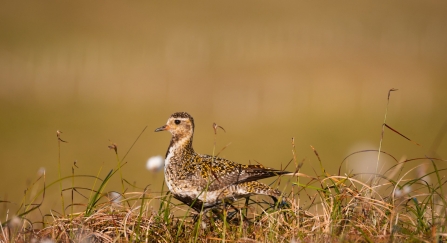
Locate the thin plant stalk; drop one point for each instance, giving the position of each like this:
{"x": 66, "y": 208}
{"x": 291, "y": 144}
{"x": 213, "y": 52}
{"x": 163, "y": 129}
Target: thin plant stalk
{"x": 383, "y": 128}
{"x": 115, "y": 148}
{"x": 59, "y": 140}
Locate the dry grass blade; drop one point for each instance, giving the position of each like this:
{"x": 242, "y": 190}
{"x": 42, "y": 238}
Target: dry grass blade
{"x": 394, "y": 130}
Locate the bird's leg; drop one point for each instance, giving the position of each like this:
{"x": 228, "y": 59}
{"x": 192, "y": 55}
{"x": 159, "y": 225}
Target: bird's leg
{"x": 224, "y": 211}
{"x": 279, "y": 205}
{"x": 231, "y": 215}
{"x": 275, "y": 202}
{"x": 204, "y": 219}
{"x": 217, "y": 212}
{"x": 247, "y": 200}
{"x": 284, "y": 203}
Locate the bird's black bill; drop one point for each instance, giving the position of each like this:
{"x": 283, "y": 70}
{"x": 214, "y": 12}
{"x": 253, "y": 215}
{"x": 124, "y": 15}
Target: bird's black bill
{"x": 163, "y": 128}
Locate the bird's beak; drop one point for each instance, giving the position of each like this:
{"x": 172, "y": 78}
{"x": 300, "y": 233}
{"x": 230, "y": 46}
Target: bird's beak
{"x": 163, "y": 128}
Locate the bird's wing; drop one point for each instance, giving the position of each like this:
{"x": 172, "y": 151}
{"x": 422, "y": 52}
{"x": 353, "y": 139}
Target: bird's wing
{"x": 221, "y": 173}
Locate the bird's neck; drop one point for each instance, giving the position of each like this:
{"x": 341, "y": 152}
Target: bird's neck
{"x": 179, "y": 147}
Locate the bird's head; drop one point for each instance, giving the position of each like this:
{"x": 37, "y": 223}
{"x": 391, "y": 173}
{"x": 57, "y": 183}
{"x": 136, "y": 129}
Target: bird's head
{"x": 180, "y": 125}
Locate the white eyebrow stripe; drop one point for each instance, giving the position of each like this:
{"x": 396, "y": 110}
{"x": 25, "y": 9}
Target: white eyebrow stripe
{"x": 180, "y": 118}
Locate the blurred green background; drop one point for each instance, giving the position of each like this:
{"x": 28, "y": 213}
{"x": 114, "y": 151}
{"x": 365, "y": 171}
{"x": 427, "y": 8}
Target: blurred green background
{"x": 266, "y": 71}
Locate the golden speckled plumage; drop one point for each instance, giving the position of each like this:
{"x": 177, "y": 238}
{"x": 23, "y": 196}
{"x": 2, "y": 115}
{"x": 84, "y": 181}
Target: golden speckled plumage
{"x": 203, "y": 180}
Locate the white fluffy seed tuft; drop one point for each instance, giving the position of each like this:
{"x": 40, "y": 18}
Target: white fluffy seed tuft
{"x": 155, "y": 163}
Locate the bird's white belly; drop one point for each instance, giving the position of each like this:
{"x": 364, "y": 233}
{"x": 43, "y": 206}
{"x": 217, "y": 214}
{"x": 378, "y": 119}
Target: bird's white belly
{"x": 191, "y": 192}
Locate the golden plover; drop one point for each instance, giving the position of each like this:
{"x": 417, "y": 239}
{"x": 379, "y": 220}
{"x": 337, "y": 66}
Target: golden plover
{"x": 204, "y": 181}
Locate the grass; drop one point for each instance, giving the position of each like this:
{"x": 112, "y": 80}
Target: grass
{"x": 391, "y": 206}
{"x": 339, "y": 208}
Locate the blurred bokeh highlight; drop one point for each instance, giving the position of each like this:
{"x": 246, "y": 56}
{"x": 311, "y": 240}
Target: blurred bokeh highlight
{"x": 266, "y": 71}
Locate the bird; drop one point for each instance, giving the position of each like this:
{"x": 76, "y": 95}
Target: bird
{"x": 204, "y": 181}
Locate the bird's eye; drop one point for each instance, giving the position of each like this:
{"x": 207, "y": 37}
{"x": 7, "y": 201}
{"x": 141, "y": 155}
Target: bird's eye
{"x": 177, "y": 122}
